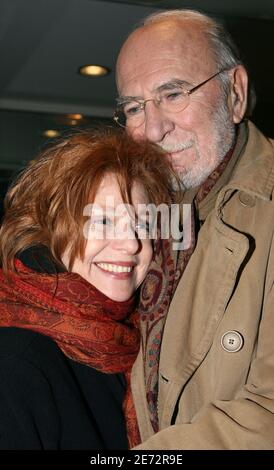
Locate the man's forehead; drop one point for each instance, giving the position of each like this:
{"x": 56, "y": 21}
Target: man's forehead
{"x": 163, "y": 36}
{"x": 148, "y": 55}
{"x": 162, "y": 77}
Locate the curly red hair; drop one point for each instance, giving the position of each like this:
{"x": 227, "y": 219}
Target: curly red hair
{"x": 45, "y": 204}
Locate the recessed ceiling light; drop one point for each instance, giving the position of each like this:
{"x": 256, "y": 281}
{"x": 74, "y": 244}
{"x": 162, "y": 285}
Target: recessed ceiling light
{"x": 93, "y": 70}
{"x": 51, "y": 133}
{"x": 77, "y": 116}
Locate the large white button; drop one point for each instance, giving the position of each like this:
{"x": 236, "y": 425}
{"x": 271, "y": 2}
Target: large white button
{"x": 232, "y": 341}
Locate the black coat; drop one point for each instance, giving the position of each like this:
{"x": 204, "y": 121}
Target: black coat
{"x": 48, "y": 401}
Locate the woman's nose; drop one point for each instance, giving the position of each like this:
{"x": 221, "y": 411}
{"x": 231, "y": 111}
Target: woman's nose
{"x": 127, "y": 241}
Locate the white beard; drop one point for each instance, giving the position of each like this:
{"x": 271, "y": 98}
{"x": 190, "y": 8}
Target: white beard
{"x": 223, "y": 139}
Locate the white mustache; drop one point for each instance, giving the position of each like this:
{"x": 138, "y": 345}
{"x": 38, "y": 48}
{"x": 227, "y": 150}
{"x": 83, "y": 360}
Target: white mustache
{"x": 170, "y": 148}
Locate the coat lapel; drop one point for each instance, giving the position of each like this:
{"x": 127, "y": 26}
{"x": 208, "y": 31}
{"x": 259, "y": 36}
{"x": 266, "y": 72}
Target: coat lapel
{"x": 196, "y": 313}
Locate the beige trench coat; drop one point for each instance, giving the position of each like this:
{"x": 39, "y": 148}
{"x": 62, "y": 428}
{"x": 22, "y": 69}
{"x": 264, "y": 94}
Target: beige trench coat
{"x": 211, "y": 395}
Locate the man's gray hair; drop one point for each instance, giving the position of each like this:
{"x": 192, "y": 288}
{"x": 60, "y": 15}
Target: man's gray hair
{"x": 223, "y": 47}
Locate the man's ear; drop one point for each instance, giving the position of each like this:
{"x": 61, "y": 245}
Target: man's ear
{"x": 238, "y": 93}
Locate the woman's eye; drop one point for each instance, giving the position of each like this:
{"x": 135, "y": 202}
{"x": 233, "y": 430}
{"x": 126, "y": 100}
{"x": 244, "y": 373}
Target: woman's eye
{"x": 142, "y": 228}
{"x": 102, "y": 221}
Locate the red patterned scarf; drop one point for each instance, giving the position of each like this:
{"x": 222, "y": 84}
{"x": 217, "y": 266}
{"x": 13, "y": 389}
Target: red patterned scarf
{"x": 88, "y": 327}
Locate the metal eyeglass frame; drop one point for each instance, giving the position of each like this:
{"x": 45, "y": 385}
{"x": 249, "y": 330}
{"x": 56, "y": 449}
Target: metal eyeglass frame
{"x": 186, "y": 92}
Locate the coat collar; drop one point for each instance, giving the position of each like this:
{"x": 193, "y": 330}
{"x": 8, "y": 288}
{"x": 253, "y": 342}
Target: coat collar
{"x": 254, "y": 172}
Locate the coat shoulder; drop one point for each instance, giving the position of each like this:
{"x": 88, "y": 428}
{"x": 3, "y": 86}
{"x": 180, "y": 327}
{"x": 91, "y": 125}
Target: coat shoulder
{"x": 21, "y": 343}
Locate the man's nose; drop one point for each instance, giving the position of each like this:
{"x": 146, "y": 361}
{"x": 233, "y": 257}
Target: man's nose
{"x": 157, "y": 123}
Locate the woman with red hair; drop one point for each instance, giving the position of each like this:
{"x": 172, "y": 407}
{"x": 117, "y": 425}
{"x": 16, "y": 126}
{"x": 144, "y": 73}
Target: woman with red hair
{"x": 68, "y": 320}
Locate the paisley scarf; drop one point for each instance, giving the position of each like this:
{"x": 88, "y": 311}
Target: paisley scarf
{"x": 88, "y": 327}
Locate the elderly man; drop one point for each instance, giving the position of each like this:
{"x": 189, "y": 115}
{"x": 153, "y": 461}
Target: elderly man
{"x": 204, "y": 378}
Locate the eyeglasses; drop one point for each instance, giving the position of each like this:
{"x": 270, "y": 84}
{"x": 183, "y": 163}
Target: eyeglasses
{"x": 131, "y": 114}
